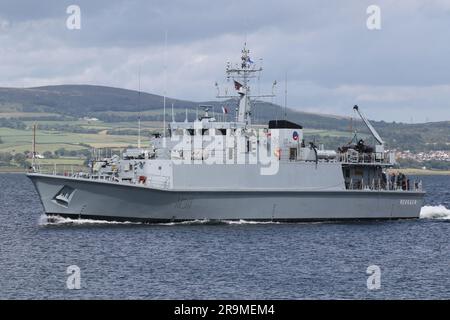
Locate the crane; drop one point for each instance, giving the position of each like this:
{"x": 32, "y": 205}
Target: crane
{"x": 369, "y": 126}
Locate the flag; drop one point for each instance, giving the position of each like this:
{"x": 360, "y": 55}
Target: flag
{"x": 224, "y": 110}
{"x": 237, "y": 85}
{"x": 249, "y": 60}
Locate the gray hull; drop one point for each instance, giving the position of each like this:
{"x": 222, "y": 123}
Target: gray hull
{"x": 78, "y": 198}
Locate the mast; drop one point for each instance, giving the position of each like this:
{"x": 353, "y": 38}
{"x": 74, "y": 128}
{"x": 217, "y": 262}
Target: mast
{"x": 285, "y": 96}
{"x": 164, "y": 119}
{"x": 139, "y": 107}
{"x": 33, "y": 156}
{"x": 241, "y": 74}
{"x": 139, "y": 132}
{"x": 165, "y": 88}
{"x": 173, "y": 118}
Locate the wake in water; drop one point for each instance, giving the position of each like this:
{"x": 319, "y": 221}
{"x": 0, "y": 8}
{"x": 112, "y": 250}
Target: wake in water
{"x": 57, "y": 220}
{"x": 241, "y": 221}
{"x": 435, "y": 212}
{"x": 427, "y": 212}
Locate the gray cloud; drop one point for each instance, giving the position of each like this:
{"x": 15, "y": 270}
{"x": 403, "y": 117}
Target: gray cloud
{"x": 332, "y": 60}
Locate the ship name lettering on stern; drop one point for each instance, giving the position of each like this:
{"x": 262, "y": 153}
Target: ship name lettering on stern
{"x": 408, "y": 202}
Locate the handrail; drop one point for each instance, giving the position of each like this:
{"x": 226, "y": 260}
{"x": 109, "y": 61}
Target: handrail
{"x": 366, "y": 158}
{"x": 161, "y": 182}
{"x": 379, "y": 185}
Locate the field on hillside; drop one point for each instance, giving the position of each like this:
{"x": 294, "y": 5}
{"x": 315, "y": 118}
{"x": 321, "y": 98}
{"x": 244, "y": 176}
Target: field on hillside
{"x": 18, "y": 140}
{"x": 15, "y": 141}
{"x": 64, "y": 148}
{"x": 30, "y": 115}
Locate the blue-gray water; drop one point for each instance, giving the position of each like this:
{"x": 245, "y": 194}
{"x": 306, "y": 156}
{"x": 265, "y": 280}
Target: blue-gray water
{"x": 227, "y": 261}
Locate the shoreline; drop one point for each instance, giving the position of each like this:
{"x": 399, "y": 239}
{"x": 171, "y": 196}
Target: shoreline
{"x": 11, "y": 170}
{"x": 423, "y": 172}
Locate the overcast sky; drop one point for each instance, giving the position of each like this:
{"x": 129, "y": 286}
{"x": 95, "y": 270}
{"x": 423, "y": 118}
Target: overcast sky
{"x": 332, "y": 60}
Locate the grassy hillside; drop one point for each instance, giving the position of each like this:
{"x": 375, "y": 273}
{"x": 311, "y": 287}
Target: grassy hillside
{"x": 114, "y": 104}
{"x": 78, "y": 101}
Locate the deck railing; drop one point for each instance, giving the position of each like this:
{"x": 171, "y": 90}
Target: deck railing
{"x": 367, "y": 158}
{"x": 61, "y": 169}
{"x": 156, "y": 181}
{"x": 396, "y": 185}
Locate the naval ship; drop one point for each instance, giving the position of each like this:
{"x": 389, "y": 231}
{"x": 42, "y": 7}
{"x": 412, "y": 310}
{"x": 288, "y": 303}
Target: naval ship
{"x": 215, "y": 169}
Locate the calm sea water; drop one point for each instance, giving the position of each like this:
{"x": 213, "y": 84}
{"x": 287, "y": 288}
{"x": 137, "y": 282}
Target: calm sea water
{"x": 225, "y": 261}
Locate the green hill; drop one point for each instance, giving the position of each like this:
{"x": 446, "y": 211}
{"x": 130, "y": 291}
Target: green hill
{"x": 115, "y": 104}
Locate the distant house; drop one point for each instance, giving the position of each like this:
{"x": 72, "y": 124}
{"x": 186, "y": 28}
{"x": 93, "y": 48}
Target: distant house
{"x": 89, "y": 119}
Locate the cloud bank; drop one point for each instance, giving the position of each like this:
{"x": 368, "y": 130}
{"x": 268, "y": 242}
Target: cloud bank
{"x": 332, "y": 60}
